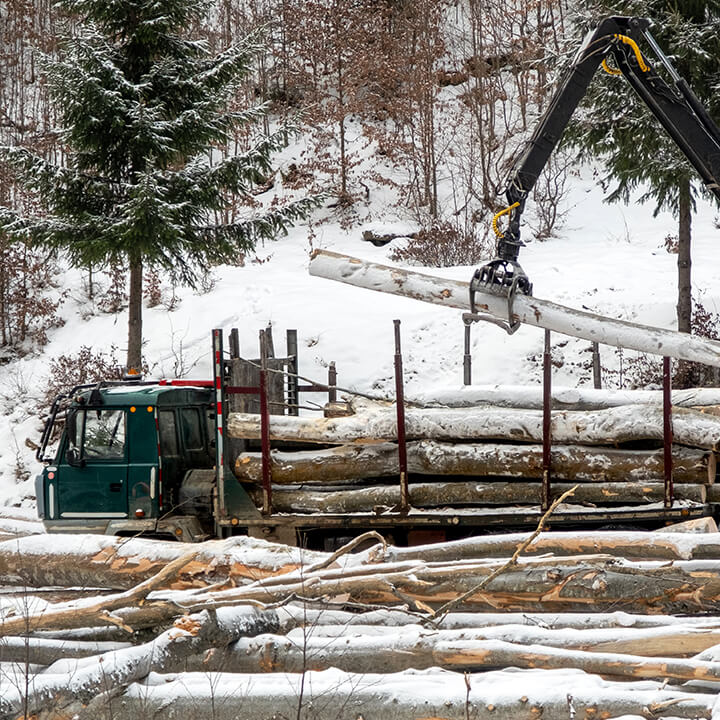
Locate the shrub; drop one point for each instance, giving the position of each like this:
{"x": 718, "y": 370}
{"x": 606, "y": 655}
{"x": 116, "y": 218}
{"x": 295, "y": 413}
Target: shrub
{"x": 442, "y": 245}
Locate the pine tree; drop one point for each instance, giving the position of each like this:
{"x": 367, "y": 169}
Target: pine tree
{"x": 617, "y": 127}
{"x": 144, "y": 107}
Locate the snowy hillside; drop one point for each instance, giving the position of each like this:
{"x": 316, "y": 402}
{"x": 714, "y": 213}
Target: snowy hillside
{"x": 610, "y": 259}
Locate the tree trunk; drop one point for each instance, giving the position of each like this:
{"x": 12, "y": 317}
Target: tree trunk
{"x": 398, "y": 652}
{"x": 684, "y": 261}
{"x": 575, "y": 463}
{"x": 120, "y": 563}
{"x": 374, "y": 422}
{"x": 468, "y": 494}
{"x": 525, "y": 309}
{"x": 403, "y": 696}
{"x": 134, "y": 348}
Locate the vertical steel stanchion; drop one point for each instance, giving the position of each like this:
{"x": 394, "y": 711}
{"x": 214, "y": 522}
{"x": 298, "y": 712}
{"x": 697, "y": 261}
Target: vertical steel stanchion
{"x": 293, "y": 395}
{"x": 597, "y": 376}
{"x": 400, "y": 405}
{"x": 667, "y": 433}
{"x": 467, "y": 357}
{"x": 547, "y": 406}
{"x": 332, "y": 383}
{"x": 265, "y": 426}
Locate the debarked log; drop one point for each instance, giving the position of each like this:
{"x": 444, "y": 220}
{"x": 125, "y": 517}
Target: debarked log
{"x": 526, "y": 309}
{"x": 396, "y": 652}
{"x": 451, "y": 494}
{"x": 442, "y": 695}
{"x": 375, "y": 422}
{"x": 577, "y": 463}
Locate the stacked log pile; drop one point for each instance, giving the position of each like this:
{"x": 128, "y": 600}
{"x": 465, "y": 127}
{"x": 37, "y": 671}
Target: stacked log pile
{"x": 485, "y": 455}
{"x": 554, "y": 625}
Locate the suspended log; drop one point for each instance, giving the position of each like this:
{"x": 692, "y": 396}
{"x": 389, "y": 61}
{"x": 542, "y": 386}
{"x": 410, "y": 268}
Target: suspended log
{"x": 453, "y": 494}
{"x": 377, "y": 422}
{"x": 575, "y": 463}
{"x": 514, "y": 695}
{"x": 528, "y": 310}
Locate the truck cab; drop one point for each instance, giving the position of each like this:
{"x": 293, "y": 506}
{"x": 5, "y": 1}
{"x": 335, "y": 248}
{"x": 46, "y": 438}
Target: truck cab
{"x": 123, "y": 455}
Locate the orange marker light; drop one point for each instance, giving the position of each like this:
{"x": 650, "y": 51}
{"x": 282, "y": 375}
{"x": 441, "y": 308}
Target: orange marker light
{"x": 133, "y": 408}
{"x": 150, "y": 408}
{"x": 139, "y": 513}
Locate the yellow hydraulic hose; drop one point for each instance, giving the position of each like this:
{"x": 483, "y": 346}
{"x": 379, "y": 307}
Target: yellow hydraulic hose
{"x": 502, "y": 212}
{"x": 638, "y": 55}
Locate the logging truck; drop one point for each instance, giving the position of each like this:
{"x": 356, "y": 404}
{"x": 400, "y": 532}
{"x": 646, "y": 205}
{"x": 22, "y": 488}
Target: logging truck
{"x": 192, "y": 459}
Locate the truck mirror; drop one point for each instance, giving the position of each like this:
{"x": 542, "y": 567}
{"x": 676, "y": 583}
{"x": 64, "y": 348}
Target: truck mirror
{"x": 72, "y": 455}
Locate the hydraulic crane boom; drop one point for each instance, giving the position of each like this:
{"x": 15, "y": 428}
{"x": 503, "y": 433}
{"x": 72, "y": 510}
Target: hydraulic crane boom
{"x": 675, "y": 105}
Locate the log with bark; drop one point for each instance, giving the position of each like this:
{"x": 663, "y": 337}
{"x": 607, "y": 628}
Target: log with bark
{"x": 526, "y": 309}
{"x": 112, "y": 562}
{"x": 467, "y": 494}
{"x": 577, "y": 463}
{"x": 393, "y": 652}
{"x": 563, "y": 398}
{"x": 374, "y": 422}
{"x": 440, "y": 695}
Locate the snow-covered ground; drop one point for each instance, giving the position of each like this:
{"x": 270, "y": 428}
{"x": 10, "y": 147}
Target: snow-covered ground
{"x": 607, "y": 258}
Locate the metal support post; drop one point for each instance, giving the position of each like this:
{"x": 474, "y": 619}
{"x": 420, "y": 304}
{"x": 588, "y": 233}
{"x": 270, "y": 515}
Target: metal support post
{"x": 219, "y": 387}
{"x": 467, "y": 357}
{"x": 667, "y": 433}
{"x": 332, "y": 383}
{"x": 597, "y": 376}
{"x": 265, "y": 426}
{"x": 400, "y": 406}
{"x": 547, "y": 407}
{"x": 293, "y": 395}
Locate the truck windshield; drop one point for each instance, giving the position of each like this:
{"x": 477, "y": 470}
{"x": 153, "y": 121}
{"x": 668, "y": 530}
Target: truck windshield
{"x": 103, "y": 433}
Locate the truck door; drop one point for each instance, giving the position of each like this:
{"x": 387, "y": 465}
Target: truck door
{"x": 93, "y": 469}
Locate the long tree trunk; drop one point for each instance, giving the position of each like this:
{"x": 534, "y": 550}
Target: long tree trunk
{"x": 134, "y": 348}
{"x": 525, "y": 309}
{"x": 684, "y": 261}
{"x": 428, "y": 457}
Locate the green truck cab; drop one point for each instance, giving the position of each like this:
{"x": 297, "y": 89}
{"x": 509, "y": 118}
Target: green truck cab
{"x": 132, "y": 458}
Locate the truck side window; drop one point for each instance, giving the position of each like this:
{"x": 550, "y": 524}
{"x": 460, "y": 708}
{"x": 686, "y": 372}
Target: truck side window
{"x": 168, "y": 433}
{"x": 104, "y": 436}
{"x": 192, "y": 429}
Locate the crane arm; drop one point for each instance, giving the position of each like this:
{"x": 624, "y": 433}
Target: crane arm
{"x": 675, "y": 106}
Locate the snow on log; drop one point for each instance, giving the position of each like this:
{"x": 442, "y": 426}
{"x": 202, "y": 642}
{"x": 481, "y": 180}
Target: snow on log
{"x": 442, "y": 695}
{"x": 630, "y": 545}
{"x": 577, "y": 463}
{"x": 526, "y": 309}
{"x": 420, "y": 650}
{"x": 70, "y": 683}
{"x": 120, "y": 563}
{"x": 563, "y": 398}
{"x": 457, "y": 494}
{"x": 375, "y": 422}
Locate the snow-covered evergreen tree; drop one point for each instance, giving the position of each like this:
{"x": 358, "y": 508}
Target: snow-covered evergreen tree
{"x": 616, "y": 126}
{"x": 143, "y": 106}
